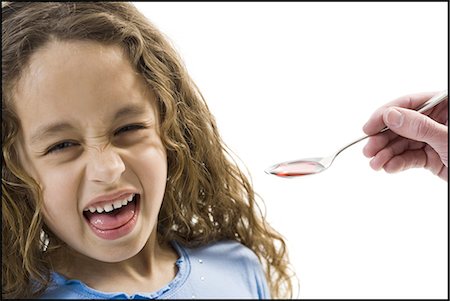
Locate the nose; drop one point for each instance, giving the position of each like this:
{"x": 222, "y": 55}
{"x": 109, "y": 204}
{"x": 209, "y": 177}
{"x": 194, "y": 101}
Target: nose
{"x": 105, "y": 166}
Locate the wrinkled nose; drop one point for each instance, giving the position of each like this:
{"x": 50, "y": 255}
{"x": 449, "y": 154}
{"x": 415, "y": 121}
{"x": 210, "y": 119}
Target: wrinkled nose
{"x": 105, "y": 166}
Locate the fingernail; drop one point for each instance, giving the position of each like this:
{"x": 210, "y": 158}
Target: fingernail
{"x": 393, "y": 118}
{"x": 364, "y": 127}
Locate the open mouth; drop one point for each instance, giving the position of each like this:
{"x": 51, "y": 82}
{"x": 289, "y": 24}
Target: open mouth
{"x": 111, "y": 220}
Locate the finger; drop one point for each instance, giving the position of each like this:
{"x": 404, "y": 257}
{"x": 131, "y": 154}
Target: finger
{"x": 440, "y": 112}
{"x": 416, "y": 126}
{"x": 376, "y": 123}
{"x": 443, "y": 174}
{"x": 378, "y": 142}
{"x": 407, "y": 160}
{"x": 434, "y": 162}
{"x": 397, "y": 147}
{"x": 426, "y": 157}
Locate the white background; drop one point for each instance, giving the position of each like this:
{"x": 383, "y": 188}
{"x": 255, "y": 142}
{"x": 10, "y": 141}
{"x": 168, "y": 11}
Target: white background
{"x": 293, "y": 80}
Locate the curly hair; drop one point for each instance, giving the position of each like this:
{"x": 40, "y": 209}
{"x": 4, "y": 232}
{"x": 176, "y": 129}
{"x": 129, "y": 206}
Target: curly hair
{"x": 207, "y": 198}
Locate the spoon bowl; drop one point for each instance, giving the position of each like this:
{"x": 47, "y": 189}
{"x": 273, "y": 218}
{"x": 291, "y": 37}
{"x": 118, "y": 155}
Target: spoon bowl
{"x": 298, "y": 168}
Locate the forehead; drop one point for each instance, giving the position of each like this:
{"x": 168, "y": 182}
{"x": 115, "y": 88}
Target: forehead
{"x": 72, "y": 58}
{"x": 60, "y": 66}
{"x": 77, "y": 79}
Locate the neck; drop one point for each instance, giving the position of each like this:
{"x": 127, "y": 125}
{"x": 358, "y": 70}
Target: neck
{"x": 152, "y": 268}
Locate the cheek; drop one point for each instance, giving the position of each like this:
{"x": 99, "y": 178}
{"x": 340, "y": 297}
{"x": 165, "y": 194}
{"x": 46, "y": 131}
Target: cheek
{"x": 59, "y": 189}
{"x": 58, "y": 186}
{"x": 149, "y": 164}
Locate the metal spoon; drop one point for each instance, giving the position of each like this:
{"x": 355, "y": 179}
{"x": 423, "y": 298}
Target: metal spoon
{"x": 310, "y": 166}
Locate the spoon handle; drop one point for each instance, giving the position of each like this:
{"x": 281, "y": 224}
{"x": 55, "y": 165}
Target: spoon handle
{"x": 433, "y": 101}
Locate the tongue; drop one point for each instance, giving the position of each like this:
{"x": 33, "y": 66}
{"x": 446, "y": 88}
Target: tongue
{"x": 113, "y": 219}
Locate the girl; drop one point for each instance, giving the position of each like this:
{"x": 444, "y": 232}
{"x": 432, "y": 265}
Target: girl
{"x": 115, "y": 181}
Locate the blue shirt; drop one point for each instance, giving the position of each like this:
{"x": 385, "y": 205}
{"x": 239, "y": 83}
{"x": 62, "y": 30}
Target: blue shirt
{"x": 225, "y": 270}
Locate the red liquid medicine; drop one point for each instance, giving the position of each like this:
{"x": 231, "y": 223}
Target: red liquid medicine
{"x": 297, "y": 168}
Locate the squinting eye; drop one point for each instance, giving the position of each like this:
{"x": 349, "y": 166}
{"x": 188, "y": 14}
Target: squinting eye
{"x": 61, "y": 146}
{"x": 130, "y": 127}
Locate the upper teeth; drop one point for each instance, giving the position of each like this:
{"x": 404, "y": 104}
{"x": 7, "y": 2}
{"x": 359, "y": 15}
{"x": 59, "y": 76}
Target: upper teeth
{"x": 108, "y": 207}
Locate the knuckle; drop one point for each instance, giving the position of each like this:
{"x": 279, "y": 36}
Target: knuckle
{"x": 423, "y": 128}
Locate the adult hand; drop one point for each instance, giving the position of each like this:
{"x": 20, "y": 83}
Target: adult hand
{"x": 414, "y": 139}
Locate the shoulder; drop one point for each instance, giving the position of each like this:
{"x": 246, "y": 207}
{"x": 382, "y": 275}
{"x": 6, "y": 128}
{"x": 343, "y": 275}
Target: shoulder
{"x": 226, "y": 262}
{"x": 63, "y": 288}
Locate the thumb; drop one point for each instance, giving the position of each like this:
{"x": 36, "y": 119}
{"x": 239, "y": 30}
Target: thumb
{"x": 416, "y": 126}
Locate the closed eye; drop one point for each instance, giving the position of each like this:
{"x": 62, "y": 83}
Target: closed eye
{"x": 128, "y": 128}
{"x": 60, "y": 147}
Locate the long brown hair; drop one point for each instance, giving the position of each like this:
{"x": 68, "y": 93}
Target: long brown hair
{"x": 207, "y": 198}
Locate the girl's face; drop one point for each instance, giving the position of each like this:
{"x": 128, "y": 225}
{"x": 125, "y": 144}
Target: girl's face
{"x": 89, "y": 136}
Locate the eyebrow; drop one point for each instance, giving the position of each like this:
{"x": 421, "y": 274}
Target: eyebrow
{"x": 57, "y": 127}
{"x": 130, "y": 111}
{"x": 49, "y": 130}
